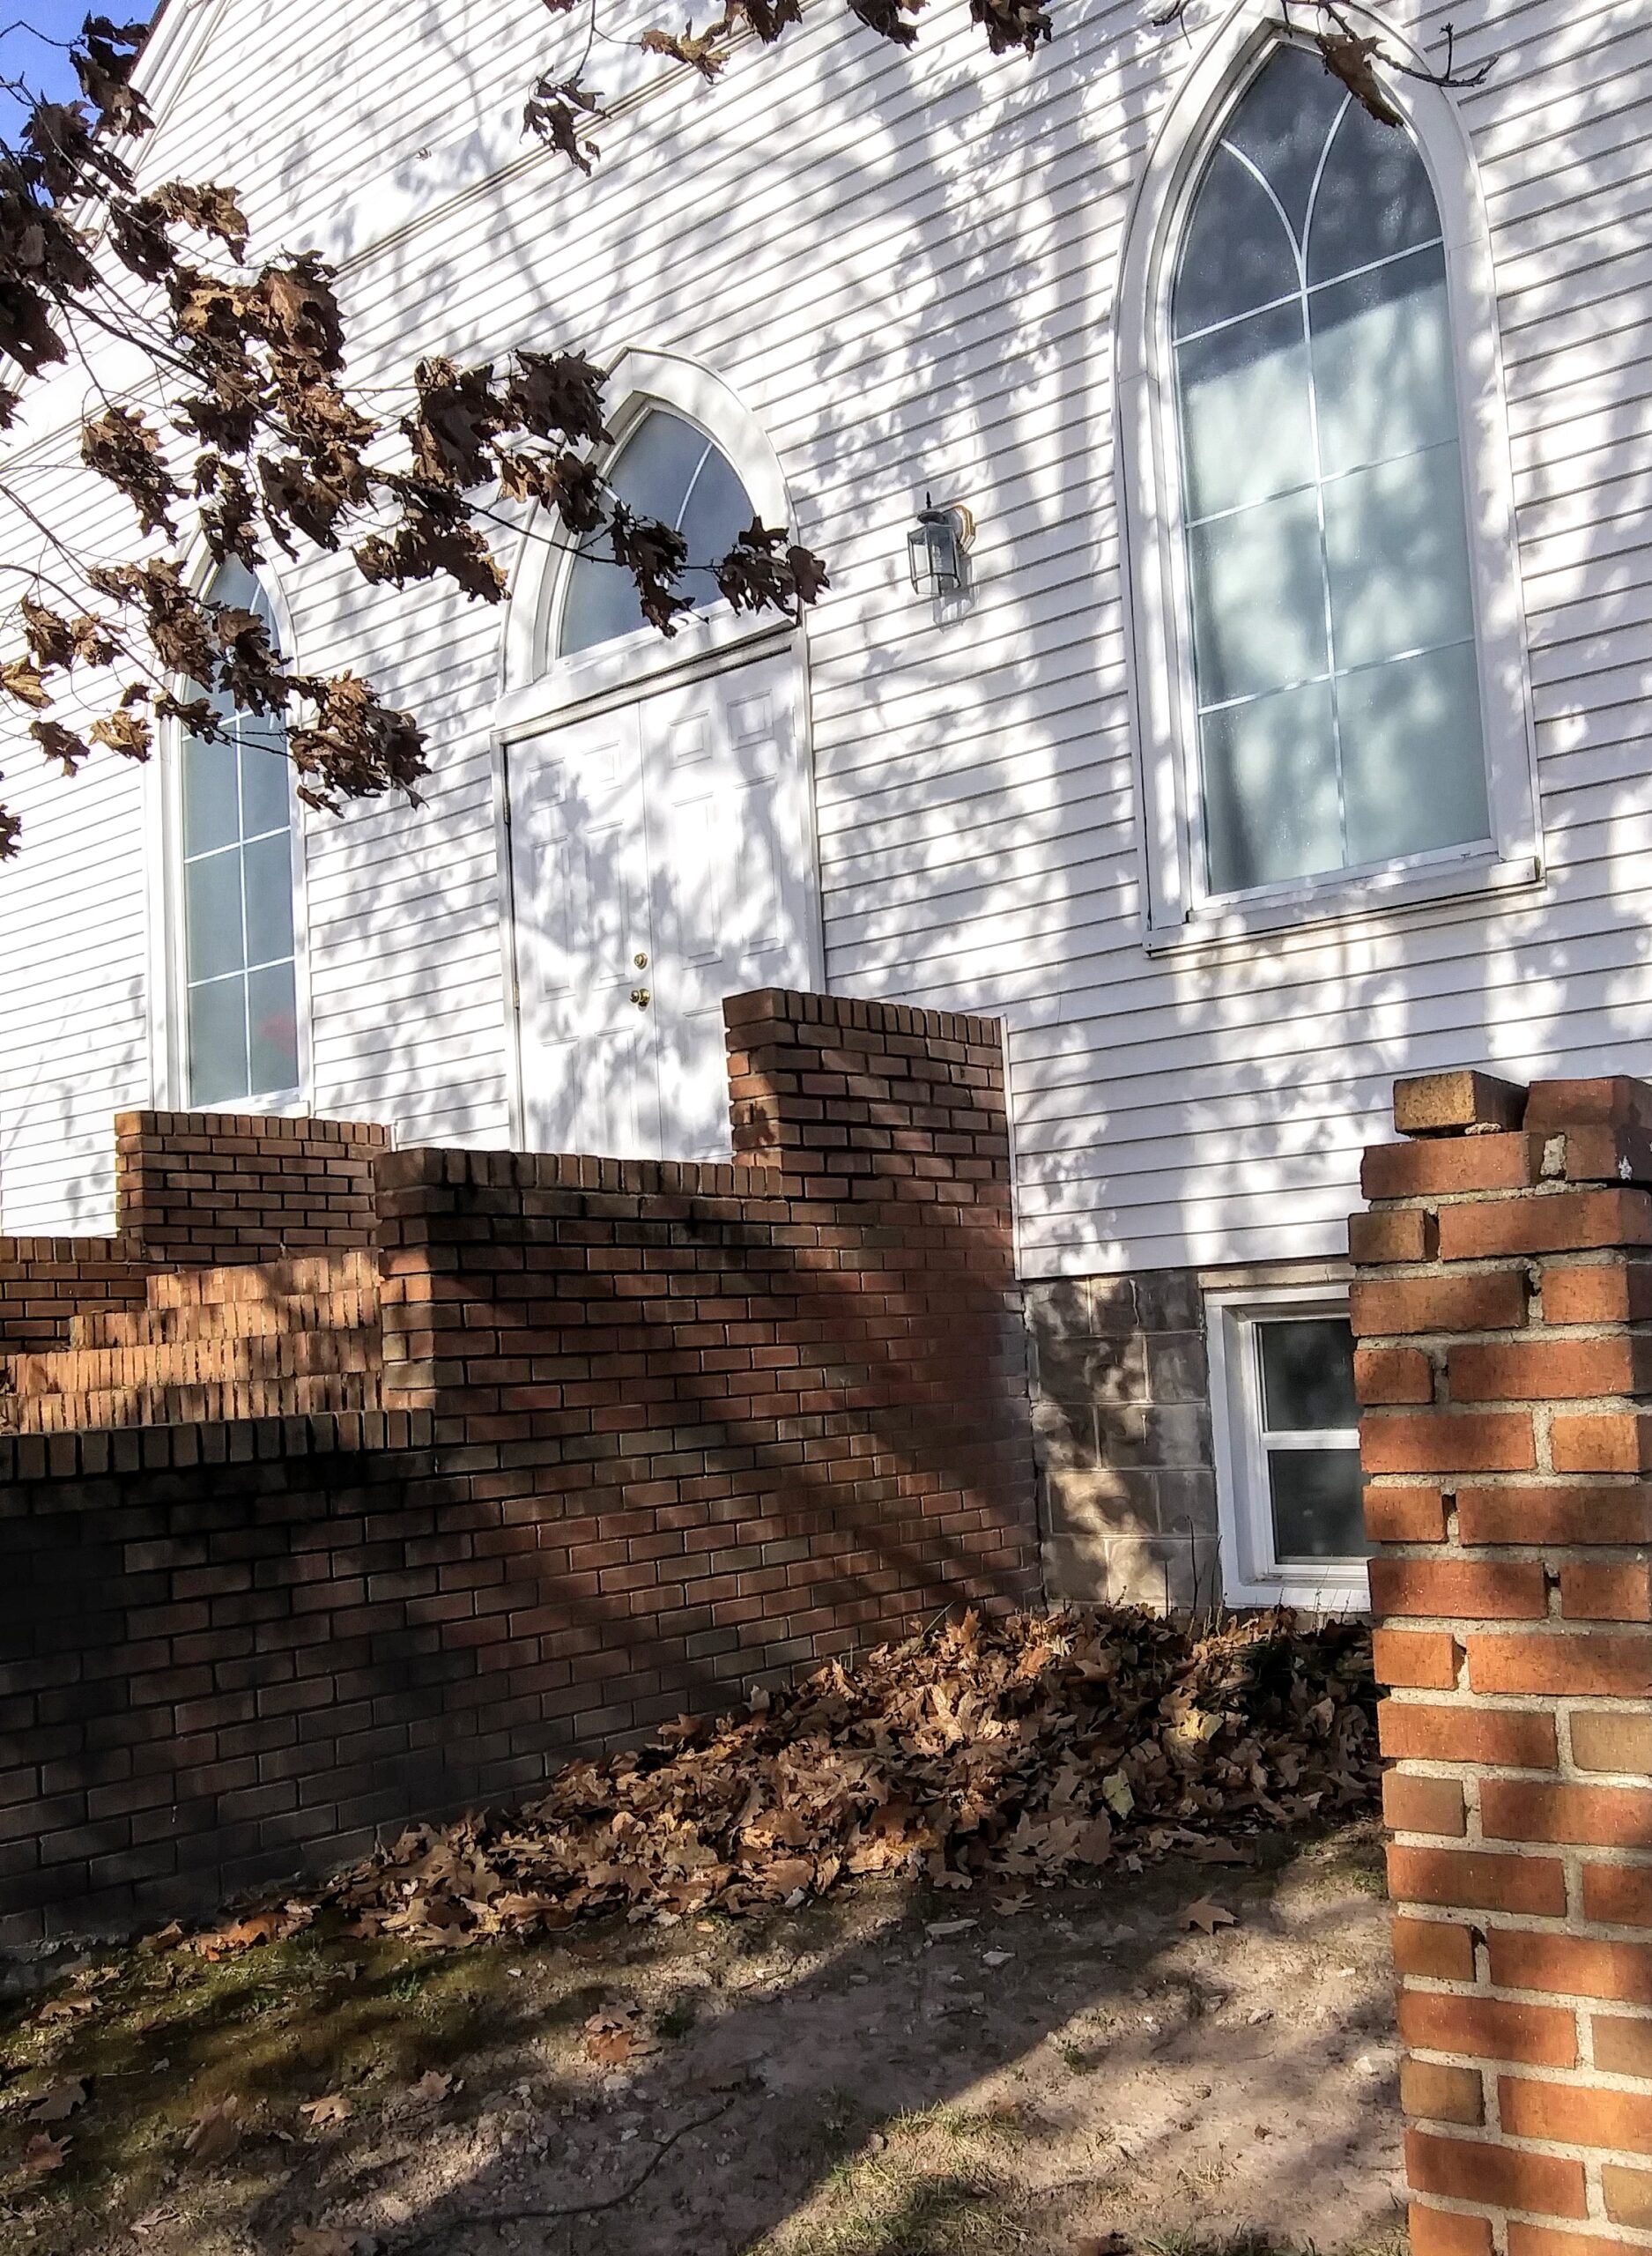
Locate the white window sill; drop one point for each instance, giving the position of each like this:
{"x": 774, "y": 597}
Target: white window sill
{"x": 1341, "y": 898}
{"x": 1338, "y": 1587}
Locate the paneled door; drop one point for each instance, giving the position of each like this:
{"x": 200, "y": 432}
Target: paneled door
{"x": 675, "y": 829}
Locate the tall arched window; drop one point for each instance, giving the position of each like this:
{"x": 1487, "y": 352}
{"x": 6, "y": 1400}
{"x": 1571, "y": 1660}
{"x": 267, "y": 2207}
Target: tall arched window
{"x": 238, "y": 974}
{"x": 670, "y": 471}
{"x": 1327, "y": 563}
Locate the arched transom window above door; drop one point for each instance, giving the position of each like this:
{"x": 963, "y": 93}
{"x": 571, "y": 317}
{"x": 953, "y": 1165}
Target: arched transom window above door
{"x": 1328, "y": 697}
{"x": 671, "y": 471}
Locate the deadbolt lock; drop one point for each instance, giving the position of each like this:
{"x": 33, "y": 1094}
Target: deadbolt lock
{"x": 640, "y": 960}
{"x": 642, "y": 997}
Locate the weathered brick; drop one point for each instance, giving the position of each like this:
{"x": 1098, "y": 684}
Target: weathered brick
{"x": 1622, "y": 2044}
{"x": 1428, "y": 1658}
{"x": 1386, "y": 1375}
{"x": 1448, "y": 1441}
{"x": 1585, "y": 2115}
{"x": 1478, "y": 2170}
{"x": 1541, "y": 1370}
{"x": 1490, "y": 2028}
{"x": 1594, "y": 1591}
{"x": 1439, "y": 1948}
{"x": 1517, "y": 1739}
{"x": 1563, "y": 1221}
{"x": 1489, "y": 1300}
{"x": 1478, "y": 1879}
{"x": 1414, "y": 1803}
{"x": 1456, "y": 1165}
{"x": 1448, "y": 1104}
{"x": 1440, "y": 2094}
{"x": 1570, "y": 1965}
{"x": 1583, "y": 1664}
{"x": 1627, "y": 2194}
{"x": 1534, "y": 1809}
{"x": 1446, "y": 2232}
{"x": 1610, "y": 1739}
{"x": 1404, "y": 1515}
{"x": 1474, "y": 1590}
{"x": 1400, "y": 1235}
{"x": 1553, "y": 1514}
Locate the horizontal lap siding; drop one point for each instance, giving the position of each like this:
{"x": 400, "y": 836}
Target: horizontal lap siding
{"x": 922, "y": 299}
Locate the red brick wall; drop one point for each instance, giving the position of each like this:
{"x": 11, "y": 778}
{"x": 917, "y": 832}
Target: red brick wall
{"x": 1503, "y": 1309}
{"x": 739, "y": 1389}
{"x": 46, "y": 1280}
{"x": 205, "y": 1188}
{"x": 653, "y": 1432}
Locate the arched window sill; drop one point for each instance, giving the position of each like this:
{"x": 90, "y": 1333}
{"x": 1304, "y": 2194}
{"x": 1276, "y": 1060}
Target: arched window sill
{"x": 1344, "y": 896}
{"x": 624, "y": 668}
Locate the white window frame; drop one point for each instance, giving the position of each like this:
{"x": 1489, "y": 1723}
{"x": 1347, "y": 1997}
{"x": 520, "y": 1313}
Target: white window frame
{"x": 1251, "y": 1573}
{"x": 1179, "y": 908}
{"x": 168, "y": 975}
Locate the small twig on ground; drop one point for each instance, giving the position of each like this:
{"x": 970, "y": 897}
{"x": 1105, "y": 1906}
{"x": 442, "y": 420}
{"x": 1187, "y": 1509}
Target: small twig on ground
{"x": 460, "y": 2222}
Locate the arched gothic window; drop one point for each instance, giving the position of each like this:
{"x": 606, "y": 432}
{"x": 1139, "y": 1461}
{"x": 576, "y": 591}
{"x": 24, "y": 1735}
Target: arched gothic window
{"x": 1327, "y": 562}
{"x": 235, "y": 936}
{"x": 668, "y": 471}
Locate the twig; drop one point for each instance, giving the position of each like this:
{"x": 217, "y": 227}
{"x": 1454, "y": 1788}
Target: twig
{"x": 571, "y": 2208}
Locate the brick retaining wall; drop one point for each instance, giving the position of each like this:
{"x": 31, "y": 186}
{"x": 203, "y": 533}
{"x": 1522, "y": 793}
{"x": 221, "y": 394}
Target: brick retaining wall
{"x": 1504, "y": 1311}
{"x": 652, "y": 1432}
{"x": 205, "y": 1188}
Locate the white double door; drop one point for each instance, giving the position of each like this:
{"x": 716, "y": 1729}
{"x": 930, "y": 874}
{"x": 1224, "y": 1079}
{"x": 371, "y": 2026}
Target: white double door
{"x": 662, "y": 857}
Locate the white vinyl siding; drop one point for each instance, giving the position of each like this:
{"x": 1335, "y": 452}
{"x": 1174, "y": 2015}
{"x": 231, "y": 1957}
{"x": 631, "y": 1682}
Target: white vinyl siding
{"x": 935, "y": 314}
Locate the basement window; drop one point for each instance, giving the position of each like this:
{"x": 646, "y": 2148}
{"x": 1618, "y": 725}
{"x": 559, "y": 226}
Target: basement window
{"x": 1287, "y": 1435}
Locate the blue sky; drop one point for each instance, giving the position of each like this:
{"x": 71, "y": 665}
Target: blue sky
{"x": 26, "y": 45}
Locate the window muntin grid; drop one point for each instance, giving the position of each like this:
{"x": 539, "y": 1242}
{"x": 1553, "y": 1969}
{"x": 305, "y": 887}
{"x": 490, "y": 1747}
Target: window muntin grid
{"x": 668, "y": 471}
{"x": 1324, "y": 532}
{"x": 238, "y": 947}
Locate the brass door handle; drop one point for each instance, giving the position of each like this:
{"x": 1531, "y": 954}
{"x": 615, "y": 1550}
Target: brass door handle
{"x": 642, "y": 997}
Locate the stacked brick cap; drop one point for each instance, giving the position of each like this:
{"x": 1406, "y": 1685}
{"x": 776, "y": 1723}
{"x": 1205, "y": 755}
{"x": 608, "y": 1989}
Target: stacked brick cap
{"x": 1503, "y": 1311}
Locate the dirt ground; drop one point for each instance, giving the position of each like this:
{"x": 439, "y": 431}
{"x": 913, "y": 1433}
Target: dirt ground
{"x": 884, "y": 2073}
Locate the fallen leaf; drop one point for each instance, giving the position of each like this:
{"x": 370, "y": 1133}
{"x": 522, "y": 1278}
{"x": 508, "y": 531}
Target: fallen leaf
{"x": 325, "y": 2112}
{"x": 1011, "y": 1907}
{"x": 1116, "y": 1791}
{"x": 44, "y": 2153}
{"x": 432, "y": 2086}
{"x": 1203, "y": 1913}
{"x": 324, "y": 2240}
{"x": 59, "y": 2104}
{"x": 59, "y": 2009}
{"x": 937, "y": 1930}
{"x": 215, "y": 2132}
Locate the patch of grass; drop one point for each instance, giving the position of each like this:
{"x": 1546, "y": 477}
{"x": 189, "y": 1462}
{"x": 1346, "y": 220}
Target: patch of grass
{"x": 929, "y": 2187}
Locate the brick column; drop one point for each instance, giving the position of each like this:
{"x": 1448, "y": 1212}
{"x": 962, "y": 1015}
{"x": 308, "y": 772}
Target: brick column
{"x": 1501, "y": 1308}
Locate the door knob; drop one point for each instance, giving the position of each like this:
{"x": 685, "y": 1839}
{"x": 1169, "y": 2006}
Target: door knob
{"x": 642, "y": 997}
{"x": 640, "y": 960}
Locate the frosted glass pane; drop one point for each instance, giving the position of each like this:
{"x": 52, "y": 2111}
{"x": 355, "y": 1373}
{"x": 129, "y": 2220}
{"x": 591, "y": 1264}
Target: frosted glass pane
{"x": 211, "y": 897}
{"x": 1398, "y": 556}
{"x": 211, "y": 815}
{"x": 651, "y": 472}
{"x": 272, "y": 1012}
{"x": 718, "y": 511}
{"x": 1382, "y": 363}
{"x": 268, "y": 866}
{"x": 266, "y": 800}
{"x": 1247, "y": 431}
{"x": 1258, "y": 599}
{"x": 1282, "y": 123}
{"x": 601, "y": 602}
{"x": 217, "y": 1041}
{"x": 1237, "y": 252}
{"x": 1306, "y": 1374}
{"x": 1413, "y": 757}
{"x": 1373, "y": 198}
{"x": 1317, "y": 1512}
{"x": 1270, "y": 799}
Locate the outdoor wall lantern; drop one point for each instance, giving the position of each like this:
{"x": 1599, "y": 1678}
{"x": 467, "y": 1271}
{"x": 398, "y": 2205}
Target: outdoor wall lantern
{"x": 936, "y": 546}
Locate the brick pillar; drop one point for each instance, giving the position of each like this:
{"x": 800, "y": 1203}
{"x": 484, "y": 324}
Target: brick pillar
{"x": 1502, "y": 1306}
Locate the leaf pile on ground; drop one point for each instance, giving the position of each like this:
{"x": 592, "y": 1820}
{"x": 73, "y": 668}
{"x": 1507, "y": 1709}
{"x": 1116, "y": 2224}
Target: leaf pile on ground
{"x": 1015, "y": 1749}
